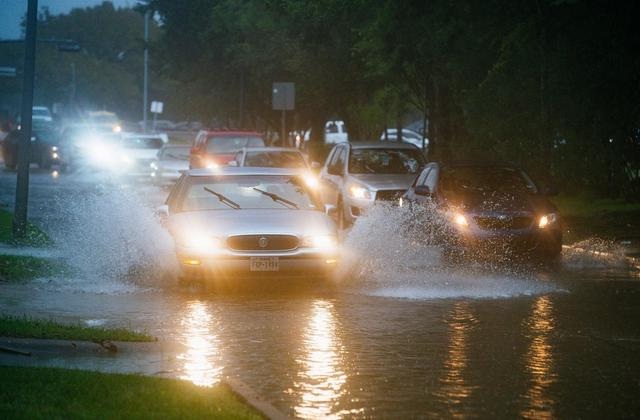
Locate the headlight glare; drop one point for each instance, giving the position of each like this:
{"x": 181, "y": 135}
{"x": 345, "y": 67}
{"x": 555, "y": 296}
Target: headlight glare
{"x": 460, "y": 220}
{"x": 324, "y": 242}
{"x": 356, "y": 191}
{"x": 547, "y": 219}
{"x": 201, "y": 241}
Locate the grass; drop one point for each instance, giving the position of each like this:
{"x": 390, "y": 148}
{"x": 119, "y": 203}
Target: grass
{"x": 27, "y": 327}
{"x": 59, "y": 393}
{"x": 16, "y": 268}
{"x": 35, "y": 236}
{"x": 585, "y": 217}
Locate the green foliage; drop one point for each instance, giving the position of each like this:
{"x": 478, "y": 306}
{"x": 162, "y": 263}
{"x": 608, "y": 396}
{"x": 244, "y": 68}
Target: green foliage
{"x": 27, "y": 327}
{"x": 16, "y": 268}
{"x": 35, "y": 236}
{"x": 60, "y": 393}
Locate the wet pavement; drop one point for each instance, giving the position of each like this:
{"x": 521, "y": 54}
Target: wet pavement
{"x": 405, "y": 339}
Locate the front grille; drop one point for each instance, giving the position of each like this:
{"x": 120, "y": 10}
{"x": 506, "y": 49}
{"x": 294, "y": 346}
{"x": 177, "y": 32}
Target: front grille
{"x": 389, "y": 195}
{"x": 262, "y": 242}
{"x": 503, "y": 222}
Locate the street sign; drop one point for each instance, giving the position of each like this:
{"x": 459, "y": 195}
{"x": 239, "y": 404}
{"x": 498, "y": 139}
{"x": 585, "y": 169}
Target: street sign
{"x": 156, "y": 107}
{"x": 7, "y": 72}
{"x": 284, "y": 96}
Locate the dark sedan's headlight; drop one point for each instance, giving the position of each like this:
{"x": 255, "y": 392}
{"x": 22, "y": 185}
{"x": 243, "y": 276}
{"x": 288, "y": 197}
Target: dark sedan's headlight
{"x": 547, "y": 220}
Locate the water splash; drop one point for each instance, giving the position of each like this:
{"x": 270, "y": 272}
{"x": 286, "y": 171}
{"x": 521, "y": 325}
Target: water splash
{"x": 394, "y": 252}
{"x": 111, "y": 241}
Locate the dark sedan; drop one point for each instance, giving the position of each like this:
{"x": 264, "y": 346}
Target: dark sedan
{"x": 44, "y": 150}
{"x": 490, "y": 209}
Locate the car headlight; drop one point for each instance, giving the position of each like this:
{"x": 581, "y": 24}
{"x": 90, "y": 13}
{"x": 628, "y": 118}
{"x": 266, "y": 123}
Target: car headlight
{"x": 460, "y": 220}
{"x": 357, "y": 191}
{"x": 547, "y": 220}
{"x": 153, "y": 166}
{"x": 54, "y": 148}
{"x": 323, "y": 242}
{"x": 311, "y": 181}
{"x": 117, "y": 129}
{"x": 201, "y": 241}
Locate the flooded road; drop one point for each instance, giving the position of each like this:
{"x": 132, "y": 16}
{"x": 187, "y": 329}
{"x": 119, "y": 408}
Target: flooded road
{"x": 397, "y": 337}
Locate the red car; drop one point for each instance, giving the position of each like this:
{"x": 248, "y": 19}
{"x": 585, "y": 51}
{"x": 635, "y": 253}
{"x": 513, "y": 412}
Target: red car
{"x": 217, "y": 148}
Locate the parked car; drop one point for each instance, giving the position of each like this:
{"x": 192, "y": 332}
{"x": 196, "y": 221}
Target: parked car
{"x": 216, "y": 148}
{"x": 230, "y": 223}
{"x": 408, "y": 136}
{"x": 270, "y": 157}
{"x": 355, "y": 175}
{"x": 170, "y": 160}
{"x": 138, "y": 151}
{"x": 490, "y": 207}
{"x": 335, "y": 131}
{"x": 44, "y": 149}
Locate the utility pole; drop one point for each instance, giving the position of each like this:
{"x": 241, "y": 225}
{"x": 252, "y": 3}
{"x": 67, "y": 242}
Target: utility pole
{"x": 22, "y": 182}
{"x": 146, "y": 71}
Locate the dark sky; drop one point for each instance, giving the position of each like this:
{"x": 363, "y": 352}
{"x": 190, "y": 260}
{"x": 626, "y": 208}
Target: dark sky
{"x": 12, "y": 11}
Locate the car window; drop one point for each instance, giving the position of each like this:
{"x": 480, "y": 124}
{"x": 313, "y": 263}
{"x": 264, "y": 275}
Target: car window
{"x": 461, "y": 180}
{"x": 385, "y": 161}
{"x": 232, "y": 144}
{"x": 280, "y": 159}
{"x": 174, "y": 153}
{"x": 241, "y": 189}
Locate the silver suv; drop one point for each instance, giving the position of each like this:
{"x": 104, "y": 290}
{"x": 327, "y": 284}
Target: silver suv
{"x": 355, "y": 175}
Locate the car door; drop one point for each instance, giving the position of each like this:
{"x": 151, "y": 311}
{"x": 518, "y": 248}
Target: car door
{"x": 332, "y": 175}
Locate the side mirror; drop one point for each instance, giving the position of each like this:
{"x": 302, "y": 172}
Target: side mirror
{"x": 550, "y": 190}
{"x": 331, "y": 210}
{"x": 422, "y": 190}
{"x": 233, "y": 163}
{"x": 162, "y": 213}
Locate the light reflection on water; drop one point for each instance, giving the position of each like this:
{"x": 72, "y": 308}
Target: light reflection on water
{"x": 202, "y": 356}
{"x": 321, "y": 378}
{"x": 539, "y": 362}
{"x": 456, "y": 388}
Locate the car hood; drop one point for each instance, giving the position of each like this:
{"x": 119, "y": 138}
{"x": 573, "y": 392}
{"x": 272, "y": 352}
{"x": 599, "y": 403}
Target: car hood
{"x": 224, "y": 223}
{"x": 504, "y": 202}
{"x": 384, "y": 181}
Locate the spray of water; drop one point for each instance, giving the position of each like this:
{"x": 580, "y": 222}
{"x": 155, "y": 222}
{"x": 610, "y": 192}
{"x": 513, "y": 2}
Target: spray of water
{"x": 111, "y": 241}
{"x": 395, "y": 252}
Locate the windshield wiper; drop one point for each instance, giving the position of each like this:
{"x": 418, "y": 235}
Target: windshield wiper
{"x": 277, "y": 198}
{"x": 224, "y": 199}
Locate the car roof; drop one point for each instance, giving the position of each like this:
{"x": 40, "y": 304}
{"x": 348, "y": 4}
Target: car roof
{"x": 245, "y": 170}
{"x": 270, "y": 149}
{"x": 476, "y": 164}
{"x": 223, "y": 133}
{"x": 382, "y": 145}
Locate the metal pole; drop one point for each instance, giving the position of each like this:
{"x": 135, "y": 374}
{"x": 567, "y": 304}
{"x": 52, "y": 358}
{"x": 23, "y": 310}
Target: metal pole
{"x": 22, "y": 182}
{"x": 146, "y": 71}
{"x": 284, "y": 142}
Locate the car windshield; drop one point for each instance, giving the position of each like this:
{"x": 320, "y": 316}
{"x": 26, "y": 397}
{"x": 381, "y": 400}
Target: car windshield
{"x": 175, "y": 153}
{"x": 273, "y": 159}
{"x": 232, "y": 144}
{"x": 385, "y": 161}
{"x": 485, "y": 179}
{"x": 248, "y": 191}
{"x": 142, "y": 143}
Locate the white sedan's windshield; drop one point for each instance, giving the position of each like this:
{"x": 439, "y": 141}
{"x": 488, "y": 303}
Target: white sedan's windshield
{"x": 247, "y": 192}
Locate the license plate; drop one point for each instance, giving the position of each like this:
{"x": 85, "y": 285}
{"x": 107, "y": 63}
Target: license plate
{"x": 264, "y": 264}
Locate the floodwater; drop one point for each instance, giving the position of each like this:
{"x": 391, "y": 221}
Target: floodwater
{"x": 398, "y": 336}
